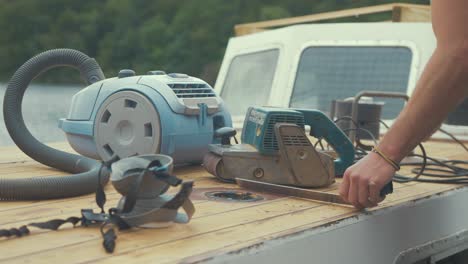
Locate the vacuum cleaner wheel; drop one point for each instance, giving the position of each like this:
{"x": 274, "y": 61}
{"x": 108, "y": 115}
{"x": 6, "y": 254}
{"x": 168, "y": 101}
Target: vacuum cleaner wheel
{"x": 127, "y": 124}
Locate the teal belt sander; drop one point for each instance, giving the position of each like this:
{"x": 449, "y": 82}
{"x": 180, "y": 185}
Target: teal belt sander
{"x": 275, "y": 149}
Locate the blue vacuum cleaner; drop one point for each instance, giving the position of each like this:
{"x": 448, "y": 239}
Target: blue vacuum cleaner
{"x": 111, "y": 119}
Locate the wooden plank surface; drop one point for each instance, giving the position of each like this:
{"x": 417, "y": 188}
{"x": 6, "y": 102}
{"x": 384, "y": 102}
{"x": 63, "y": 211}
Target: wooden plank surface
{"x": 400, "y": 13}
{"x": 216, "y": 227}
{"x": 412, "y": 14}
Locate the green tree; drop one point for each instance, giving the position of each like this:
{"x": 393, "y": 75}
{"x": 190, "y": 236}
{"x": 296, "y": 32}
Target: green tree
{"x": 177, "y": 36}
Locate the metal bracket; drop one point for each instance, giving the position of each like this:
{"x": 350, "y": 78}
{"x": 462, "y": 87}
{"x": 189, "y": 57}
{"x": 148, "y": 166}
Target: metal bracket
{"x": 90, "y": 217}
{"x": 435, "y": 250}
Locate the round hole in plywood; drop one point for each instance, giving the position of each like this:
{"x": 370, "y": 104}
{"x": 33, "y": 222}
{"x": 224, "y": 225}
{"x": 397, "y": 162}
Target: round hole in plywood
{"x": 233, "y": 196}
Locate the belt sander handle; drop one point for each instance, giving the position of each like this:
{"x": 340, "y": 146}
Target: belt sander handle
{"x": 387, "y": 189}
{"x": 322, "y": 127}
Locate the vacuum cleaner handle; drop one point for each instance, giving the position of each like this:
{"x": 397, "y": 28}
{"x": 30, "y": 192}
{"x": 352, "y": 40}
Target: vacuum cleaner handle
{"x": 322, "y": 127}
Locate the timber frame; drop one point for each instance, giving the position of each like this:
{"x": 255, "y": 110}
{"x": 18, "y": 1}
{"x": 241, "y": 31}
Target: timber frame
{"x": 400, "y": 13}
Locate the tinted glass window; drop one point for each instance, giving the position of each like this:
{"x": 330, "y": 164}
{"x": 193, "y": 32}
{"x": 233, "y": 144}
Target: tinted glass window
{"x": 248, "y": 81}
{"x": 328, "y": 73}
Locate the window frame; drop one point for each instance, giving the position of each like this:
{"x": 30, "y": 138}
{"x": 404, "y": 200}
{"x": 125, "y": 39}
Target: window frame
{"x": 250, "y": 51}
{"x": 414, "y": 66}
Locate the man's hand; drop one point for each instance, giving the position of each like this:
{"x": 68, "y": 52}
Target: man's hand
{"x": 363, "y": 181}
{"x": 440, "y": 89}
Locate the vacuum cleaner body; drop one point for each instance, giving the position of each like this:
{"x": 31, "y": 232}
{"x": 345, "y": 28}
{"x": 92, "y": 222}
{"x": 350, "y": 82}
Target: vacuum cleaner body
{"x": 128, "y": 116}
{"x": 171, "y": 114}
{"x": 275, "y": 149}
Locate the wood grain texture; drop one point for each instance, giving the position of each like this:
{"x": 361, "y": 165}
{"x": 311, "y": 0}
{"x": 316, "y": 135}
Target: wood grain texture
{"x": 216, "y": 228}
{"x": 400, "y": 13}
{"x": 411, "y": 14}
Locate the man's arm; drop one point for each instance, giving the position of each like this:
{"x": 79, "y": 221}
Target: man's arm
{"x": 443, "y": 85}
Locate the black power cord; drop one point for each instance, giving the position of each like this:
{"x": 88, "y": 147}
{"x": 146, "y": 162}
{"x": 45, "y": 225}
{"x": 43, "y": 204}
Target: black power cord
{"x": 441, "y": 171}
{"x": 437, "y": 171}
{"x": 454, "y": 138}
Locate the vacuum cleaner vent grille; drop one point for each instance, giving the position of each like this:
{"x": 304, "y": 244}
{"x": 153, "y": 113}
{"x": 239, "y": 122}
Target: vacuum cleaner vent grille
{"x": 270, "y": 142}
{"x": 192, "y": 90}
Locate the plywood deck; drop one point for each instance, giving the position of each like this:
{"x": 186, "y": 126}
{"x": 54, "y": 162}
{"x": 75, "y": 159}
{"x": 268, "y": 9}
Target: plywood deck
{"x": 216, "y": 227}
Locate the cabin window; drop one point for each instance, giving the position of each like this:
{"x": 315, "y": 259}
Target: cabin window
{"x": 326, "y": 73}
{"x": 249, "y": 80}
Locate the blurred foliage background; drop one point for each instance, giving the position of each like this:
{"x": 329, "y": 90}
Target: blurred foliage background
{"x": 187, "y": 36}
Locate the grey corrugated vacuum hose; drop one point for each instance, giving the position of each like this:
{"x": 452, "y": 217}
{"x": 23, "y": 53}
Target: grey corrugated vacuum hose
{"x": 86, "y": 171}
